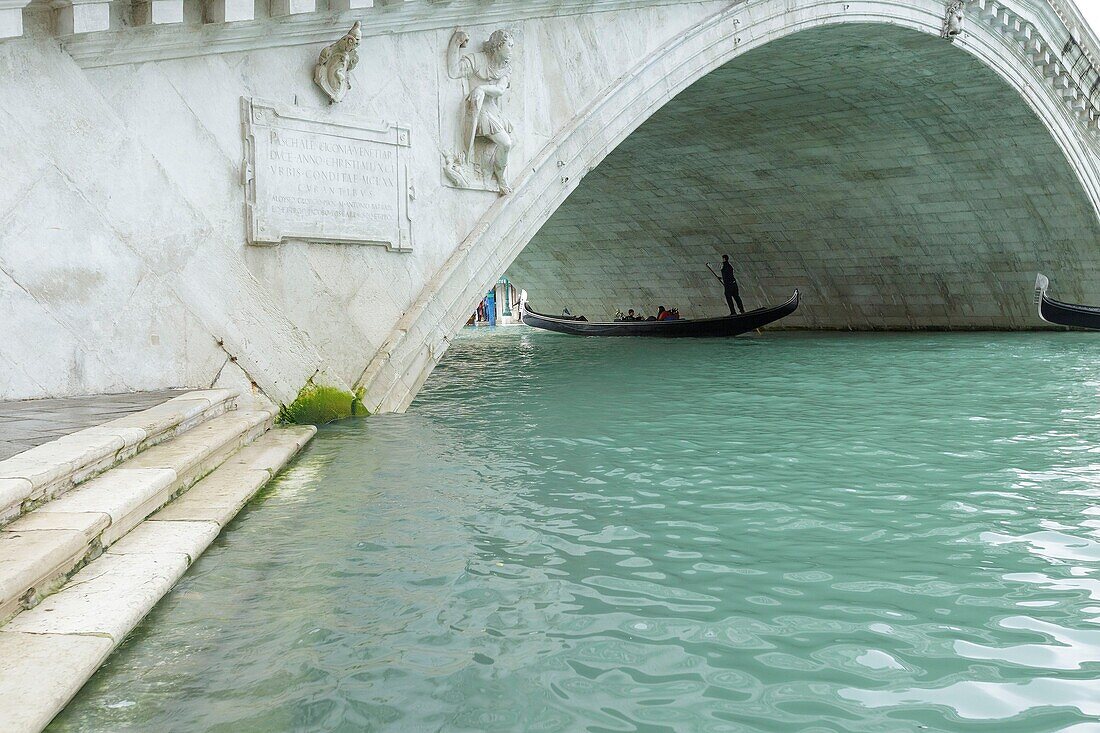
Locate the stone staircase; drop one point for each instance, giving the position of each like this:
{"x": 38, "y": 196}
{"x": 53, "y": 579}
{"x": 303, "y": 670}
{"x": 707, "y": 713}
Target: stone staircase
{"x": 1065, "y": 64}
{"x": 97, "y": 526}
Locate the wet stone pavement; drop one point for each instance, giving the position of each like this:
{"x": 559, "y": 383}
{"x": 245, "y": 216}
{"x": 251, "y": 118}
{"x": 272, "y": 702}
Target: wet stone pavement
{"x": 28, "y": 423}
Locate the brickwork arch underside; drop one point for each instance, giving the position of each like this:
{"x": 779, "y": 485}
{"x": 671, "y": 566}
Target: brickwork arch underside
{"x": 892, "y": 177}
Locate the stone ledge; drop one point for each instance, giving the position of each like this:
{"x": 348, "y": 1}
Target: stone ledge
{"x": 221, "y": 496}
{"x": 41, "y": 549}
{"x": 49, "y": 652}
{"x": 53, "y": 468}
{"x": 158, "y": 43}
{"x": 31, "y": 560}
{"x": 150, "y": 538}
{"x": 40, "y": 673}
{"x": 108, "y": 597}
{"x": 13, "y": 491}
{"x": 11, "y": 17}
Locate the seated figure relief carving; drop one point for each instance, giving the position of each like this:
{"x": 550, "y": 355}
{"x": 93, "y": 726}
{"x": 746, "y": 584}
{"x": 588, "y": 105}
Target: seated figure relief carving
{"x": 334, "y": 65}
{"x": 488, "y": 136}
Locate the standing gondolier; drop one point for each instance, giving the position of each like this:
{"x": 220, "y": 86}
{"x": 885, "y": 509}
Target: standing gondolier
{"x": 729, "y": 285}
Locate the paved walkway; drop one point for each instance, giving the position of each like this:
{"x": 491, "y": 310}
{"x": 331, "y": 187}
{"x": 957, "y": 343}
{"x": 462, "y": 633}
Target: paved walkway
{"x": 28, "y": 423}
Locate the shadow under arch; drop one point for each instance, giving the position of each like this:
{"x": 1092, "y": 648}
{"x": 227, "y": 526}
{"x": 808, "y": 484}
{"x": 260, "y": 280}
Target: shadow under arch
{"x": 897, "y": 182}
{"x": 397, "y": 371}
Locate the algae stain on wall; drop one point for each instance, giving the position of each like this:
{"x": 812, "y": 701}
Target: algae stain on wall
{"x": 317, "y": 404}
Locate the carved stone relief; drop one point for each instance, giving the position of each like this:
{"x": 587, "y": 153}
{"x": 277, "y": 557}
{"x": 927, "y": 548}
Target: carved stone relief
{"x": 488, "y": 135}
{"x": 953, "y": 20}
{"x": 334, "y": 65}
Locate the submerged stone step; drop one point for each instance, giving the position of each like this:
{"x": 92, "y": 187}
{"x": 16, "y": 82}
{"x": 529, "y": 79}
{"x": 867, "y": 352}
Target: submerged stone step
{"x": 221, "y": 496}
{"x": 49, "y": 652}
{"x": 42, "y": 548}
{"x": 40, "y": 673}
{"x": 49, "y": 470}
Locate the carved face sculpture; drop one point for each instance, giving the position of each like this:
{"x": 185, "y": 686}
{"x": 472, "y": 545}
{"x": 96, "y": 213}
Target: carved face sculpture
{"x": 499, "y": 46}
{"x": 350, "y": 42}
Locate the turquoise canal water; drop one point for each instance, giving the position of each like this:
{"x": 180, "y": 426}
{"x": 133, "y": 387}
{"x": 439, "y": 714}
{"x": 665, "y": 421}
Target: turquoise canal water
{"x": 781, "y": 533}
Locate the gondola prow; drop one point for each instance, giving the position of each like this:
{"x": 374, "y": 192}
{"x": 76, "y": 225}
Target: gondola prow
{"x": 1041, "y": 285}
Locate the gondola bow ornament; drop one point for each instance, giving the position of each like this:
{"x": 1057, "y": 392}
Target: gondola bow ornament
{"x": 1064, "y": 314}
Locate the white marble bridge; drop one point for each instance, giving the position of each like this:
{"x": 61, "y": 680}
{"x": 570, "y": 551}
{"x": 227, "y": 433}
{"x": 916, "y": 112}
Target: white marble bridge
{"x": 182, "y": 206}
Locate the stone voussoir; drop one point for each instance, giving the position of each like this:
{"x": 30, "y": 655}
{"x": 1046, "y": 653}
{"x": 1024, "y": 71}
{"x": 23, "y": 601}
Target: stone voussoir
{"x": 52, "y": 469}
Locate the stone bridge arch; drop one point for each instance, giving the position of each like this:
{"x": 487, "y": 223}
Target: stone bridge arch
{"x": 1024, "y": 44}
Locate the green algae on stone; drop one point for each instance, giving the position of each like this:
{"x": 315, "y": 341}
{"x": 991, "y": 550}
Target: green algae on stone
{"x": 317, "y": 404}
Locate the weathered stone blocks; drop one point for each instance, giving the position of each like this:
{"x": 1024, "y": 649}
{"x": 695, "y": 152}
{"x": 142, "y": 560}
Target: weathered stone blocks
{"x": 40, "y": 673}
{"x": 51, "y": 469}
{"x": 833, "y": 170}
{"x": 11, "y": 17}
{"x": 58, "y": 639}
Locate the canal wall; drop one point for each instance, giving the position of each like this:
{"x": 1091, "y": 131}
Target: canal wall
{"x": 184, "y": 205}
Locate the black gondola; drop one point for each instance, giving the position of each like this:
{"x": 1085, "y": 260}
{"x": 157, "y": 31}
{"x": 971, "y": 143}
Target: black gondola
{"x": 683, "y": 328}
{"x": 1064, "y": 314}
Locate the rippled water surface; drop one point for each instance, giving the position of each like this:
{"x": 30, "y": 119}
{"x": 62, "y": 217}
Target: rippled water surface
{"x": 782, "y": 533}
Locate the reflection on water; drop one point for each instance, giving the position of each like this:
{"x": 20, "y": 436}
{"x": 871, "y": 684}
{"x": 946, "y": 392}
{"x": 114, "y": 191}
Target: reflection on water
{"x": 785, "y": 533}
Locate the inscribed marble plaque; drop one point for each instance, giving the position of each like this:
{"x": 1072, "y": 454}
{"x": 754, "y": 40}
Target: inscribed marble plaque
{"x": 315, "y": 176}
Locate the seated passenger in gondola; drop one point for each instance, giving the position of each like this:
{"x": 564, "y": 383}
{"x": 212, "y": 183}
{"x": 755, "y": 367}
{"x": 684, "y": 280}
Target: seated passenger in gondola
{"x": 566, "y": 314}
{"x": 669, "y": 315}
{"x": 631, "y": 316}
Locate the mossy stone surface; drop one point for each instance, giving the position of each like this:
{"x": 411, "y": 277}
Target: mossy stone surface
{"x": 317, "y": 404}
